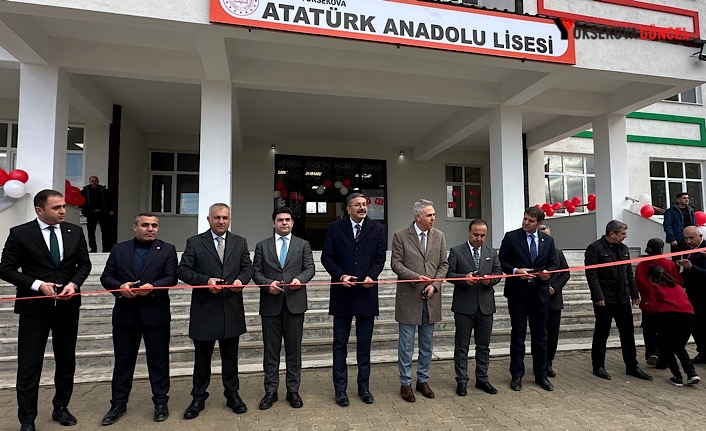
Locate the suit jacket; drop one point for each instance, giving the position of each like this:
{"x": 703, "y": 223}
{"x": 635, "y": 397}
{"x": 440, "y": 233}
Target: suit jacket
{"x": 342, "y": 255}
{"x": 159, "y": 269}
{"x": 557, "y": 281}
{"x": 298, "y": 264}
{"x": 695, "y": 278}
{"x": 514, "y": 253}
{"x": 215, "y": 316}
{"x": 469, "y": 299}
{"x": 26, "y": 250}
{"x": 409, "y": 262}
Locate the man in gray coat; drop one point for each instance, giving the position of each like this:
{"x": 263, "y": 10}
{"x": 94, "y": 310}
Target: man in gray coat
{"x": 473, "y": 304}
{"x": 221, "y": 260}
{"x": 418, "y": 253}
{"x": 282, "y": 264}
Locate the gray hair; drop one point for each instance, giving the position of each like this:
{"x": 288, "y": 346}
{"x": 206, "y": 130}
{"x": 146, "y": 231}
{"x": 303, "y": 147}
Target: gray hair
{"x": 615, "y": 226}
{"x": 218, "y": 205}
{"x": 419, "y": 206}
{"x": 145, "y": 214}
{"x": 352, "y": 196}
{"x": 543, "y": 227}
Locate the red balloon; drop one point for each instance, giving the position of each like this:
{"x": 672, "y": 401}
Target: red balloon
{"x": 67, "y": 183}
{"x": 327, "y": 184}
{"x": 556, "y": 206}
{"x": 591, "y": 197}
{"x": 567, "y": 203}
{"x": 647, "y": 211}
{"x": 576, "y": 201}
{"x": 301, "y": 197}
{"x": 346, "y": 182}
{"x": 546, "y": 207}
{"x": 279, "y": 185}
{"x": 700, "y": 217}
{"x": 79, "y": 201}
{"x": 284, "y": 194}
{"x": 549, "y": 212}
{"x": 570, "y": 209}
{"x": 591, "y": 205}
{"x": 19, "y": 175}
{"x": 538, "y": 206}
{"x": 3, "y": 177}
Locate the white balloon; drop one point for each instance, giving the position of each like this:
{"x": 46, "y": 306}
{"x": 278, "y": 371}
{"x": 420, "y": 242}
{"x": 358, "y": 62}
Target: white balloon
{"x": 338, "y": 184}
{"x": 320, "y": 190}
{"x": 635, "y": 207}
{"x": 14, "y": 188}
{"x": 277, "y": 194}
{"x": 645, "y": 199}
{"x": 344, "y": 190}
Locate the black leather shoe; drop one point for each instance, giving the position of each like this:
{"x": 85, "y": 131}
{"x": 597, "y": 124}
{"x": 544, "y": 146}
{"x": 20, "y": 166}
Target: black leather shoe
{"x": 366, "y": 396}
{"x": 267, "y": 401}
{"x": 487, "y": 387}
{"x": 637, "y": 372}
{"x": 28, "y": 427}
{"x": 602, "y": 373}
{"x": 342, "y": 399}
{"x": 63, "y": 416}
{"x": 115, "y": 413}
{"x": 295, "y": 401}
{"x": 194, "y": 409}
{"x": 545, "y": 384}
{"x": 161, "y": 412}
{"x": 550, "y": 371}
{"x": 516, "y": 384}
{"x": 236, "y": 403}
{"x": 461, "y": 389}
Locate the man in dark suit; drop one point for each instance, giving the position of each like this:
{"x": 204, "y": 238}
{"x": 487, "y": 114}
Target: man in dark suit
{"x": 528, "y": 254}
{"x": 47, "y": 260}
{"x": 134, "y": 268}
{"x": 283, "y": 264}
{"x": 694, "y": 275}
{"x": 354, "y": 256}
{"x": 221, "y": 260}
{"x": 473, "y": 304}
{"x": 556, "y": 282}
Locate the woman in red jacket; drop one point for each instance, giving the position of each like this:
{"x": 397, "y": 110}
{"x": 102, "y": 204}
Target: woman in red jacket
{"x": 675, "y": 317}
{"x": 649, "y": 321}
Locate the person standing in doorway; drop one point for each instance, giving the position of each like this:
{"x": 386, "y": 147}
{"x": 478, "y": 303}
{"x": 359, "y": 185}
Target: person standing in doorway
{"x": 98, "y": 210}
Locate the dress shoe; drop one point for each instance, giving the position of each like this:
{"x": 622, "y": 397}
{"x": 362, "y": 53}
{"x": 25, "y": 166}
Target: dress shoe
{"x": 366, "y": 397}
{"x": 637, "y": 372}
{"x": 516, "y": 384}
{"x": 295, "y": 401}
{"x": 545, "y": 384}
{"x": 407, "y": 394}
{"x": 461, "y": 389}
{"x": 342, "y": 398}
{"x": 698, "y": 359}
{"x": 487, "y": 387}
{"x": 652, "y": 360}
{"x": 602, "y": 373}
{"x": 63, "y": 416}
{"x": 425, "y": 390}
{"x": 161, "y": 412}
{"x": 28, "y": 427}
{"x": 194, "y": 409}
{"x": 237, "y": 405}
{"x": 115, "y": 413}
{"x": 550, "y": 371}
{"x": 267, "y": 401}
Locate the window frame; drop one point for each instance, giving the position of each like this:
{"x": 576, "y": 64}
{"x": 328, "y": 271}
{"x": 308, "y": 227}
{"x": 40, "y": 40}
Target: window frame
{"x": 463, "y": 184}
{"x": 564, "y": 178}
{"x": 684, "y": 180}
{"x": 680, "y": 96}
{"x": 174, "y": 174}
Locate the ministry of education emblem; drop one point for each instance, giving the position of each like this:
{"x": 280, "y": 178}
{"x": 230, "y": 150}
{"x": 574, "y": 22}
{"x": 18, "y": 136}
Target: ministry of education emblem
{"x": 240, "y": 7}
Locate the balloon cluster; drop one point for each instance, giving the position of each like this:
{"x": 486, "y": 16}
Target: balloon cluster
{"x": 282, "y": 192}
{"x": 342, "y": 186}
{"x": 72, "y": 195}
{"x": 569, "y": 205}
{"x": 14, "y": 182}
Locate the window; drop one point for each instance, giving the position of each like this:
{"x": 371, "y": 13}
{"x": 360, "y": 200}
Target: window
{"x": 316, "y": 207}
{"x": 174, "y": 182}
{"x": 688, "y": 96}
{"x": 567, "y": 176}
{"x": 667, "y": 178}
{"x": 463, "y": 192}
{"x": 8, "y": 146}
{"x": 74, "y": 155}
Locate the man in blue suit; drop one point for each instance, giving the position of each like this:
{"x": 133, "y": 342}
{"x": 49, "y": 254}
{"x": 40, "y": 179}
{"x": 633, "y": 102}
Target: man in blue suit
{"x": 134, "y": 268}
{"x": 354, "y": 255}
{"x": 528, "y": 254}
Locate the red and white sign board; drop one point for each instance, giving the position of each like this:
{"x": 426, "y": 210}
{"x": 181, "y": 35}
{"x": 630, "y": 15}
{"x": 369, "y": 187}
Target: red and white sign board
{"x": 406, "y": 22}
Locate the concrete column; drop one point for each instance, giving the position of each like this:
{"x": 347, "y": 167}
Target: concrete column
{"x": 43, "y": 120}
{"x": 506, "y": 177}
{"x": 216, "y": 148}
{"x": 610, "y": 149}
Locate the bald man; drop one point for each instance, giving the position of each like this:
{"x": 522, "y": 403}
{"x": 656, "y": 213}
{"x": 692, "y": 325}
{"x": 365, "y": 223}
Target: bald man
{"x": 694, "y": 276}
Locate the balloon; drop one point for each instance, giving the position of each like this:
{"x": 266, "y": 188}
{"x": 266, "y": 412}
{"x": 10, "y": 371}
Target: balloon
{"x": 301, "y": 197}
{"x": 700, "y": 217}
{"x": 72, "y": 193}
{"x": 538, "y": 206}
{"x": 545, "y": 207}
{"x": 556, "y": 206}
{"x": 591, "y": 197}
{"x": 549, "y": 212}
{"x": 19, "y": 175}
{"x": 344, "y": 190}
{"x": 284, "y": 194}
{"x": 702, "y": 229}
{"x": 567, "y": 203}
{"x": 570, "y": 209}
{"x": 80, "y": 201}
{"x": 277, "y": 194}
{"x": 338, "y": 184}
{"x": 327, "y": 184}
{"x": 320, "y": 190}
{"x": 647, "y": 211}
{"x": 3, "y": 177}
{"x": 591, "y": 206}
{"x": 346, "y": 182}
{"x": 67, "y": 184}
{"x": 576, "y": 201}
{"x": 279, "y": 185}
{"x": 645, "y": 199}
{"x": 14, "y": 188}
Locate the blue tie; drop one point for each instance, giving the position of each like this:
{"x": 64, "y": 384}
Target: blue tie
{"x": 533, "y": 248}
{"x": 283, "y": 251}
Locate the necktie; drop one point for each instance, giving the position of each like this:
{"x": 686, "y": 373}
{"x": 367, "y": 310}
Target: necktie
{"x": 220, "y": 249}
{"x": 54, "y": 246}
{"x": 533, "y": 248}
{"x": 357, "y": 232}
{"x": 283, "y": 251}
{"x": 423, "y": 241}
{"x": 476, "y": 258}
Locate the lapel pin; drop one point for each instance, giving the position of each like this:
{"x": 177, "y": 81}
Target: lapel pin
{"x": 158, "y": 247}
{"x": 487, "y": 258}
{"x": 68, "y": 230}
